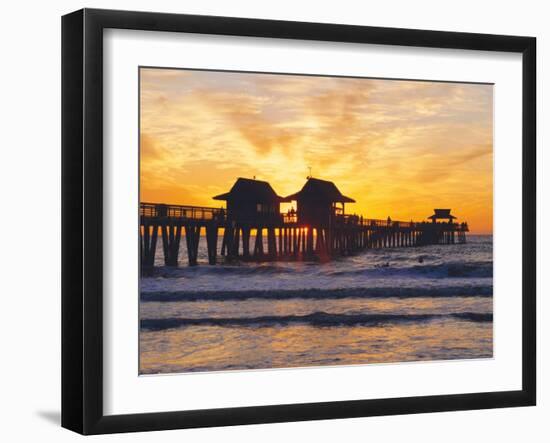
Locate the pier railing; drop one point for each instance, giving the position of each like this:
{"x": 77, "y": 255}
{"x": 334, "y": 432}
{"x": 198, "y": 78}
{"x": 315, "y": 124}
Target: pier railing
{"x": 181, "y": 212}
{"x": 356, "y": 220}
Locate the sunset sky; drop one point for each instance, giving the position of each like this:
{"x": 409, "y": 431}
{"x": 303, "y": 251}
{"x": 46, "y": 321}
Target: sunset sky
{"x": 399, "y": 148}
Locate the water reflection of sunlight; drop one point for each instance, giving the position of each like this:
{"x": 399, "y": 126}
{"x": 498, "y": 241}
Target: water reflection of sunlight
{"x": 215, "y": 348}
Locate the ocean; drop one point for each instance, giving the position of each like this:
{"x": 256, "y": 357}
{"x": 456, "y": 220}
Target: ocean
{"x": 379, "y": 306}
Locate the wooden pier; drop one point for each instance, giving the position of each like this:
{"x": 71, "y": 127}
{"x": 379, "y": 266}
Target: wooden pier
{"x": 274, "y": 236}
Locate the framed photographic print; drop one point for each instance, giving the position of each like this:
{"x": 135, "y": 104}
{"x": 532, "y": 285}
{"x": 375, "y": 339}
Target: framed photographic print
{"x": 269, "y": 221}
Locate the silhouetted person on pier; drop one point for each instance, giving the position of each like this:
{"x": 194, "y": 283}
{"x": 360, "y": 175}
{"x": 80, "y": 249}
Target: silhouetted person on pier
{"x": 162, "y": 210}
{"x": 389, "y": 220}
{"x": 291, "y": 215}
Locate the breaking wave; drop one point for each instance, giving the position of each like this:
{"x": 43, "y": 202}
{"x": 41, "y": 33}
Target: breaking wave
{"x": 318, "y": 319}
{"x": 443, "y": 270}
{"x": 377, "y": 292}
{"x": 480, "y": 269}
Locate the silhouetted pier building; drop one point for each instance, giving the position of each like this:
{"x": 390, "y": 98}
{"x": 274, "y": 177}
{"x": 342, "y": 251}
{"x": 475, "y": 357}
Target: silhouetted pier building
{"x": 442, "y": 214}
{"x": 319, "y": 202}
{"x": 253, "y": 227}
{"x": 447, "y": 236}
{"x": 251, "y": 201}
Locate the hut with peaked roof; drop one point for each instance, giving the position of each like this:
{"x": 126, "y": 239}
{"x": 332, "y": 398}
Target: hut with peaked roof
{"x": 318, "y": 201}
{"x": 251, "y": 201}
{"x": 442, "y": 214}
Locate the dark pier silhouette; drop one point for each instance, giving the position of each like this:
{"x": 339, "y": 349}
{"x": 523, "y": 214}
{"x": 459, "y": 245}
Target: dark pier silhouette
{"x": 319, "y": 229}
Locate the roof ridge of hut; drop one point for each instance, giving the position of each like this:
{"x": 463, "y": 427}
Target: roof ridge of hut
{"x": 314, "y": 187}
{"x": 441, "y": 214}
{"x": 249, "y": 189}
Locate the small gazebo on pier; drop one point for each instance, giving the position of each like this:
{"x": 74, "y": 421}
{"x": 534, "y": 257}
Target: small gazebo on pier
{"x": 442, "y": 214}
{"x": 318, "y": 201}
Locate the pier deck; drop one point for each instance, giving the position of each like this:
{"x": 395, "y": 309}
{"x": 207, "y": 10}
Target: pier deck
{"x": 277, "y": 236}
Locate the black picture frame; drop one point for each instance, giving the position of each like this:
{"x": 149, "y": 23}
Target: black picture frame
{"x": 82, "y": 218}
